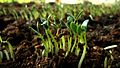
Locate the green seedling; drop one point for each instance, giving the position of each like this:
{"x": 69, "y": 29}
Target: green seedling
{"x": 69, "y": 46}
{"x": 6, "y": 50}
{"x": 78, "y": 16}
{"x": 29, "y": 13}
{"x": 4, "y": 11}
{"x": 6, "y": 53}
{"x": 55, "y": 43}
{"x": 50, "y": 45}
{"x": 24, "y": 14}
{"x": 35, "y": 13}
{"x": 80, "y": 32}
{"x": 21, "y": 14}
{"x": 47, "y": 42}
{"x": 84, "y": 27}
{"x": 15, "y": 14}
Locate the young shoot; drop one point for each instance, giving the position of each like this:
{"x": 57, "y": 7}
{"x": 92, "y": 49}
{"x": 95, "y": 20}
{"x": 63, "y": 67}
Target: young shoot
{"x": 84, "y": 27}
{"x": 6, "y": 50}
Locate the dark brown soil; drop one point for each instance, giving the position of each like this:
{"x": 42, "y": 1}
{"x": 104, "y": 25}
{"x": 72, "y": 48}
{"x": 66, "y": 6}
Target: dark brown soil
{"x": 102, "y": 31}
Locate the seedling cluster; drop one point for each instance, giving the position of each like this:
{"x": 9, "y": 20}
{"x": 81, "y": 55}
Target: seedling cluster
{"x": 53, "y": 21}
{"x": 7, "y": 49}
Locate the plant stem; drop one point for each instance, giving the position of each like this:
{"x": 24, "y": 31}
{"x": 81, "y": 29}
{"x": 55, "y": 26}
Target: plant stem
{"x": 84, "y": 52}
{"x": 74, "y": 43}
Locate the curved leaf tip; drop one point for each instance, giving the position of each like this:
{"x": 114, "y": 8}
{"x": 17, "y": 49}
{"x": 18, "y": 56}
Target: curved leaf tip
{"x": 85, "y": 23}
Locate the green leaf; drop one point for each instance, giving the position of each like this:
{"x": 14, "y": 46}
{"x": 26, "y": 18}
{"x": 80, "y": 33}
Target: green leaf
{"x": 21, "y": 14}
{"x": 25, "y": 15}
{"x": 16, "y": 14}
{"x": 51, "y": 48}
{"x": 46, "y": 43}
{"x": 73, "y": 27}
{"x": 81, "y": 38}
{"x": 40, "y": 35}
{"x": 79, "y": 15}
{"x": 13, "y": 14}
{"x": 70, "y": 19}
{"x": 35, "y": 13}
{"x": 85, "y": 23}
{"x": 49, "y": 42}
{"x": 79, "y": 29}
{"x": 55, "y": 42}
{"x": 30, "y": 13}
{"x": 4, "y": 11}
{"x": 11, "y": 50}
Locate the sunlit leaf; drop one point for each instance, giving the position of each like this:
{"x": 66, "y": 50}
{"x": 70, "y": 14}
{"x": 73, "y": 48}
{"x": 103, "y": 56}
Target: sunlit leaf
{"x": 35, "y": 13}
{"x": 84, "y": 25}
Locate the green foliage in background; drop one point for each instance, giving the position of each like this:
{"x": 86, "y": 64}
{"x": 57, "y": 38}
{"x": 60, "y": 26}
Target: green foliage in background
{"x": 20, "y": 1}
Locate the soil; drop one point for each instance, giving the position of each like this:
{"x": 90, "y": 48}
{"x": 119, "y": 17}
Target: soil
{"x": 103, "y": 31}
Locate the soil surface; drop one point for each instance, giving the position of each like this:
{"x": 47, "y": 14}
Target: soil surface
{"x": 103, "y": 31}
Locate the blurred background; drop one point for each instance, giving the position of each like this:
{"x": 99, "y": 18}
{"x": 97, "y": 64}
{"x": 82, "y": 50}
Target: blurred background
{"x": 96, "y": 2}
